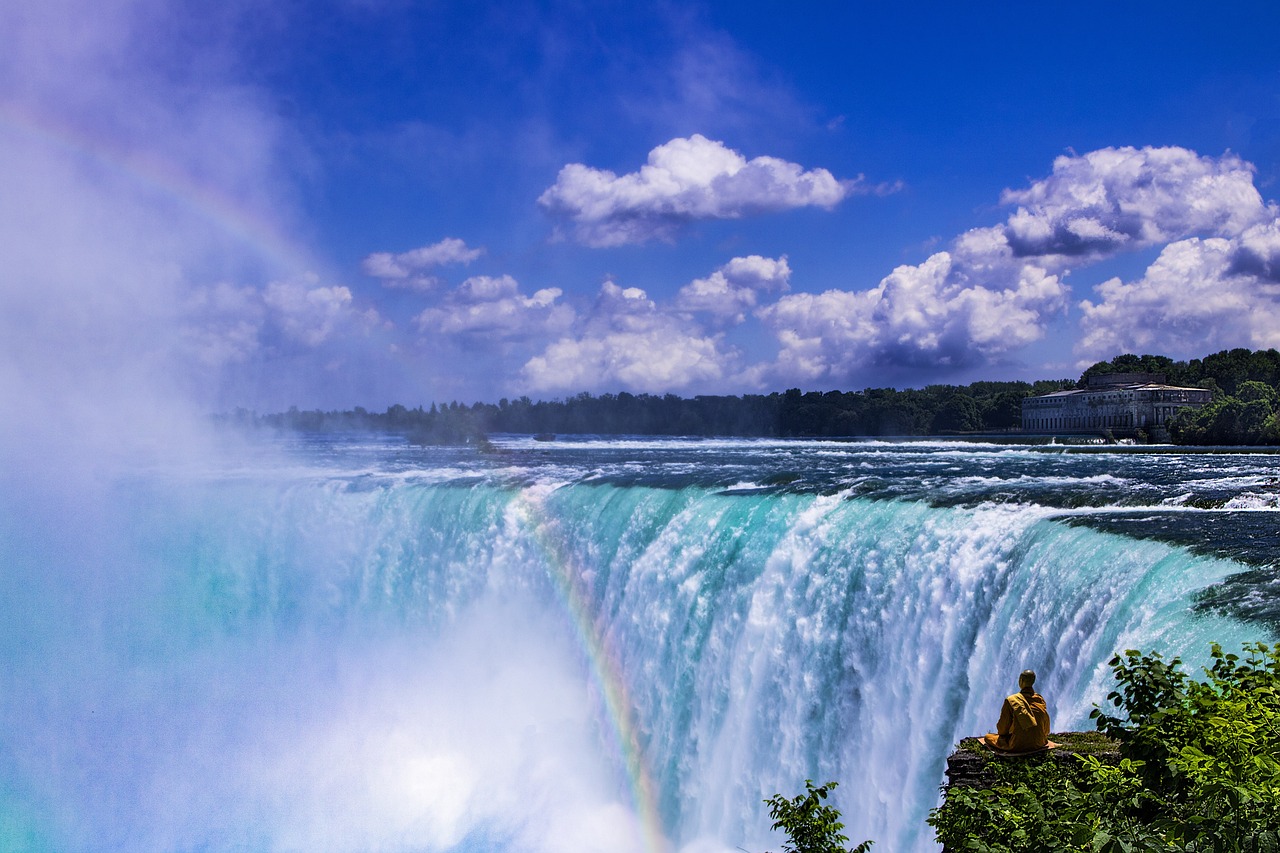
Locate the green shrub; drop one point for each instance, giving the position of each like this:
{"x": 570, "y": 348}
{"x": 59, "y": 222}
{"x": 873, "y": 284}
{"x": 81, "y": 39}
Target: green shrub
{"x": 810, "y": 825}
{"x": 1199, "y": 769}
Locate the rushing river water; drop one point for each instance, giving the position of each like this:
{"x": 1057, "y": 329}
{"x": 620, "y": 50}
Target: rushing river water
{"x": 352, "y": 644}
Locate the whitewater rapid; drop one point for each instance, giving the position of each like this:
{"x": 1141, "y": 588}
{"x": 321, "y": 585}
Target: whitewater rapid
{"x": 350, "y": 645}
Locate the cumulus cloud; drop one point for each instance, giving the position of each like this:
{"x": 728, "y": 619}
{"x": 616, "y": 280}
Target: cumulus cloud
{"x": 227, "y": 324}
{"x": 928, "y": 315}
{"x": 495, "y": 308}
{"x": 683, "y": 180}
{"x": 1197, "y": 296}
{"x": 1216, "y": 282}
{"x": 811, "y": 327}
{"x": 410, "y": 269}
{"x": 485, "y": 288}
{"x": 623, "y": 308}
{"x": 973, "y": 303}
{"x": 1257, "y": 252}
{"x": 311, "y": 315}
{"x": 654, "y": 360}
{"x": 734, "y": 289}
{"x": 1117, "y": 198}
{"x": 996, "y": 288}
{"x": 630, "y": 342}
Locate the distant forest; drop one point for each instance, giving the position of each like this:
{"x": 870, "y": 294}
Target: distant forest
{"x": 1246, "y": 386}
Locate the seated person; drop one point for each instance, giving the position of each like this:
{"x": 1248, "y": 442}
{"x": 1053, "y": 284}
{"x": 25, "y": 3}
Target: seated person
{"x": 1024, "y": 720}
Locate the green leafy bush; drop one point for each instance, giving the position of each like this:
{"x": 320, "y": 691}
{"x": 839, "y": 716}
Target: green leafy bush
{"x": 810, "y": 825}
{"x": 1199, "y": 769}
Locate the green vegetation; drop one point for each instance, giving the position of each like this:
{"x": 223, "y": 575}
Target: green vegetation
{"x": 1198, "y": 770}
{"x": 1245, "y": 385}
{"x": 1222, "y": 372}
{"x": 1245, "y": 409}
{"x": 935, "y": 410}
{"x": 1248, "y": 417}
{"x": 810, "y": 825}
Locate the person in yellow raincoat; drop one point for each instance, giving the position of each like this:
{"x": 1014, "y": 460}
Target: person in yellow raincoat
{"x": 1024, "y": 720}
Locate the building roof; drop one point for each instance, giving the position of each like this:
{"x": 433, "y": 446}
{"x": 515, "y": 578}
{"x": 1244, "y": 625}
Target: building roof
{"x": 1107, "y": 389}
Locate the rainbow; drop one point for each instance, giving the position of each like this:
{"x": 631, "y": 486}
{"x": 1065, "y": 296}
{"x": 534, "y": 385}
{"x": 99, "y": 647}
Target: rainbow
{"x": 605, "y": 664}
{"x": 146, "y": 169}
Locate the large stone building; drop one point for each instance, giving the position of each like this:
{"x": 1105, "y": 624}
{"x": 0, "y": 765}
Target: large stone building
{"x": 1121, "y": 403}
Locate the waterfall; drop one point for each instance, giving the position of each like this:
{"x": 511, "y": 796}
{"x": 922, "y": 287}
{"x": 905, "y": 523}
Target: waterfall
{"x": 372, "y": 663}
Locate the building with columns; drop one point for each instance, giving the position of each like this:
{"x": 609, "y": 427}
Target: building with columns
{"x": 1121, "y": 403}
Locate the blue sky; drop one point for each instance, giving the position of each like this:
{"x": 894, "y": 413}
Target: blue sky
{"x": 361, "y": 203}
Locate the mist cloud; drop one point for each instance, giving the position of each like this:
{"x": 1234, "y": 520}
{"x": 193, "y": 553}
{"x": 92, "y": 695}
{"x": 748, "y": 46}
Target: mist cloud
{"x": 108, "y": 234}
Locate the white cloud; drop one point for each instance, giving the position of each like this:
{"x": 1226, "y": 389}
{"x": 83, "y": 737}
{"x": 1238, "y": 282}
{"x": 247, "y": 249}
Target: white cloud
{"x": 1257, "y": 251}
{"x": 925, "y": 315}
{"x": 1195, "y": 298}
{"x": 660, "y": 359}
{"x": 812, "y": 328}
{"x": 493, "y": 307}
{"x": 227, "y": 324}
{"x": 312, "y": 315}
{"x": 629, "y": 342}
{"x": 484, "y": 288}
{"x": 998, "y": 287}
{"x": 1118, "y": 198}
{"x": 684, "y": 180}
{"x": 734, "y": 289}
{"x": 1202, "y": 292}
{"x": 623, "y": 309}
{"x": 409, "y": 269}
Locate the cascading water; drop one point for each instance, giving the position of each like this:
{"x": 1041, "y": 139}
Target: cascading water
{"x": 611, "y": 647}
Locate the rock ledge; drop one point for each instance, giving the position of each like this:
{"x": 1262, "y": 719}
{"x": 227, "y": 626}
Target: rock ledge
{"x": 967, "y": 766}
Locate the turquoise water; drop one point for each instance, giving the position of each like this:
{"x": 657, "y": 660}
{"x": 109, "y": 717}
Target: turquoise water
{"x": 353, "y": 644}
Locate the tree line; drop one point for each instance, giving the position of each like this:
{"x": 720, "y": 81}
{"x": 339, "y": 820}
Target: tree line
{"x": 1246, "y": 386}
{"x": 1246, "y": 394}
{"x": 934, "y": 410}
